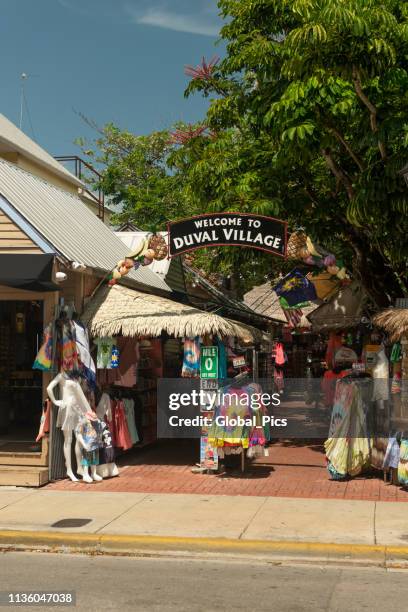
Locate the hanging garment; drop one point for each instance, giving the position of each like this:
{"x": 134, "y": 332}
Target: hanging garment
{"x": 293, "y": 316}
{"x": 380, "y": 374}
{"x": 191, "y": 360}
{"x": 328, "y": 386}
{"x": 392, "y": 454}
{"x": 129, "y": 358}
{"x": 104, "y": 357}
{"x": 43, "y": 360}
{"x": 223, "y": 431}
{"x": 45, "y": 420}
{"x": 222, "y": 360}
{"x": 279, "y": 354}
{"x": 123, "y": 438}
{"x": 104, "y": 407}
{"x": 347, "y": 448}
{"x": 111, "y": 422}
{"x": 90, "y": 428}
{"x": 107, "y": 451}
{"x": 129, "y": 406}
{"x": 334, "y": 343}
{"x": 82, "y": 342}
{"x": 279, "y": 380}
{"x": 115, "y": 356}
{"x": 296, "y": 289}
{"x": 90, "y": 458}
{"x": 396, "y": 352}
{"x": 67, "y": 348}
{"x": 403, "y": 463}
{"x": 396, "y": 383}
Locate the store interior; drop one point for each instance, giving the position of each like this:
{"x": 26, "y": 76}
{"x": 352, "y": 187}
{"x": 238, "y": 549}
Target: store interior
{"x": 21, "y": 328}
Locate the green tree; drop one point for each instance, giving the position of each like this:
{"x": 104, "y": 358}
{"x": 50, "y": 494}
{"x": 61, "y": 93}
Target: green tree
{"x": 136, "y": 177}
{"x": 310, "y": 123}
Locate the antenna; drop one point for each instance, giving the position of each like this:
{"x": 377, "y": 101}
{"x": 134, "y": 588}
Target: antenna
{"x": 23, "y": 77}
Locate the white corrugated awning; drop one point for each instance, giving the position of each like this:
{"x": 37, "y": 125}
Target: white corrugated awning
{"x": 67, "y": 224}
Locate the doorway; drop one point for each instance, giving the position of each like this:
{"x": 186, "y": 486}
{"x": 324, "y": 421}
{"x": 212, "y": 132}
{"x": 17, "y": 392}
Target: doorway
{"x": 21, "y": 326}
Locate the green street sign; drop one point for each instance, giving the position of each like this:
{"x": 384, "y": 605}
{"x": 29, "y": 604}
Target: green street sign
{"x": 209, "y": 362}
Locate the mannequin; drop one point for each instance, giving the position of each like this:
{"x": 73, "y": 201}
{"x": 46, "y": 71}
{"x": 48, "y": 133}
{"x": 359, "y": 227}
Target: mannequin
{"x": 106, "y": 470}
{"x": 71, "y": 407}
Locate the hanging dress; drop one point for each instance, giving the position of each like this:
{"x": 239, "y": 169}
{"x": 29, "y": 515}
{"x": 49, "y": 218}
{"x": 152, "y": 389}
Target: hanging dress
{"x": 123, "y": 438}
{"x": 129, "y": 406}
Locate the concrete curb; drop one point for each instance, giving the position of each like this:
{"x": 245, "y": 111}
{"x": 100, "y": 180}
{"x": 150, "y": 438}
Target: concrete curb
{"x": 139, "y": 545}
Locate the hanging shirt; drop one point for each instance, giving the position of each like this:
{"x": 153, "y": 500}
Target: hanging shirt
{"x": 106, "y": 452}
{"x": 91, "y": 432}
{"x": 380, "y": 374}
{"x": 222, "y": 360}
{"x": 115, "y": 357}
{"x": 191, "y": 360}
{"x": 104, "y": 358}
{"x": 82, "y": 342}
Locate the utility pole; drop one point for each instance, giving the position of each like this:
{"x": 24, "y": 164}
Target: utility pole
{"x": 23, "y": 78}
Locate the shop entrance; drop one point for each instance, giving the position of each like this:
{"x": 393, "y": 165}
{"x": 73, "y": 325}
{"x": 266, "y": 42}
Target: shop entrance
{"x": 21, "y": 325}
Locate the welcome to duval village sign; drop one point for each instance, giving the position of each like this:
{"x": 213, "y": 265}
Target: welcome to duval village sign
{"x": 228, "y": 229}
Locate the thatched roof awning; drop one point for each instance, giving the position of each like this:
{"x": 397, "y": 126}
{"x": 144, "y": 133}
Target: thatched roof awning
{"x": 393, "y": 321}
{"x": 342, "y": 311}
{"x": 119, "y": 310}
{"x": 265, "y": 301}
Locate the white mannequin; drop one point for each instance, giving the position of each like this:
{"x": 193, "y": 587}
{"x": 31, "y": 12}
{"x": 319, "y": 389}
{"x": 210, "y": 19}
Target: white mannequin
{"x": 106, "y": 470}
{"x": 72, "y": 405}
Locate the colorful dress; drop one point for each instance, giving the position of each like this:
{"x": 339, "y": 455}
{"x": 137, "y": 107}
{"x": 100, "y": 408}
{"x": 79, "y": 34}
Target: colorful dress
{"x": 91, "y": 432}
{"x": 191, "y": 360}
{"x": 43, "y": 360}
{"x": 123, "y": 437}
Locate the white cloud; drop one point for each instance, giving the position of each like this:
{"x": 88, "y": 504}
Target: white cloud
{"x": 200, "y": 23}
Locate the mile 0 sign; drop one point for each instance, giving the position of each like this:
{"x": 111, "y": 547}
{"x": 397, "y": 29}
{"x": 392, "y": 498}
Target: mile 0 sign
{"x": 228, "y": 229}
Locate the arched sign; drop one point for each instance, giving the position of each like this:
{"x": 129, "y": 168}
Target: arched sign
{"x": 228, "y": 229}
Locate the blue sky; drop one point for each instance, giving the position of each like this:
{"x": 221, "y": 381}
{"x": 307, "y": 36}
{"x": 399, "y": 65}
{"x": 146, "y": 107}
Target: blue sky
{"x": 112, "y": 60}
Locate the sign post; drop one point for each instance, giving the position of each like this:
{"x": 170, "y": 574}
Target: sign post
{"x": 209, "y": 383}
{"x": 209, "y": 362}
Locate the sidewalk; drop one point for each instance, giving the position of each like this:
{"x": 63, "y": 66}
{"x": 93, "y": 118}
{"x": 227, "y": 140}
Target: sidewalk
{"x": 129, "y": 522}
{"x": 291, "y": 470}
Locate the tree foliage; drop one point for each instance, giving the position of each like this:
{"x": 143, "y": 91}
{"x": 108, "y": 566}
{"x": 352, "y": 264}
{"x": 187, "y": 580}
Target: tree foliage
{"x": 307, "y": 121}
{"x": 314, "y": 95}
{"x": 136, "y": 177}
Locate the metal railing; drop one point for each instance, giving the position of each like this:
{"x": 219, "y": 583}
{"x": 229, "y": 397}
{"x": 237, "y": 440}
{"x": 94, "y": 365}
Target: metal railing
{"x": 81, "y": 169}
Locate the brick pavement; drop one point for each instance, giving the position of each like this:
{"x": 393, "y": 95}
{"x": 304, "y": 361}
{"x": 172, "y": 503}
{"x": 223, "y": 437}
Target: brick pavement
{"x": 291, "y": 470}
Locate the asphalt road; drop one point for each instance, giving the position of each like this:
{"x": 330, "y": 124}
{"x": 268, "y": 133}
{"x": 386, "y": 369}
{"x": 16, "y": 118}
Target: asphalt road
{"x": 119, "y": 583}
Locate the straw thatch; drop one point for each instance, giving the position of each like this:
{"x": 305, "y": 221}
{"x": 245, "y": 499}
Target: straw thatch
{"x": 265, "y": 301}
{"x": 394, "y": 321}
{"x": 119, "y": 310}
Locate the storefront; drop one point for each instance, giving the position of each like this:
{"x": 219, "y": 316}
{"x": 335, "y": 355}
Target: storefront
{"x": 153, "y": 338}
{"x": 27, "y": 297}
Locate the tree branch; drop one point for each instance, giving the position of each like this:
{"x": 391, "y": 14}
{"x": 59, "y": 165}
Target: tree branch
{"x": 372, "y": 109}
{"x": 346, "y": 145}
{"x": 340, "y": 175}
